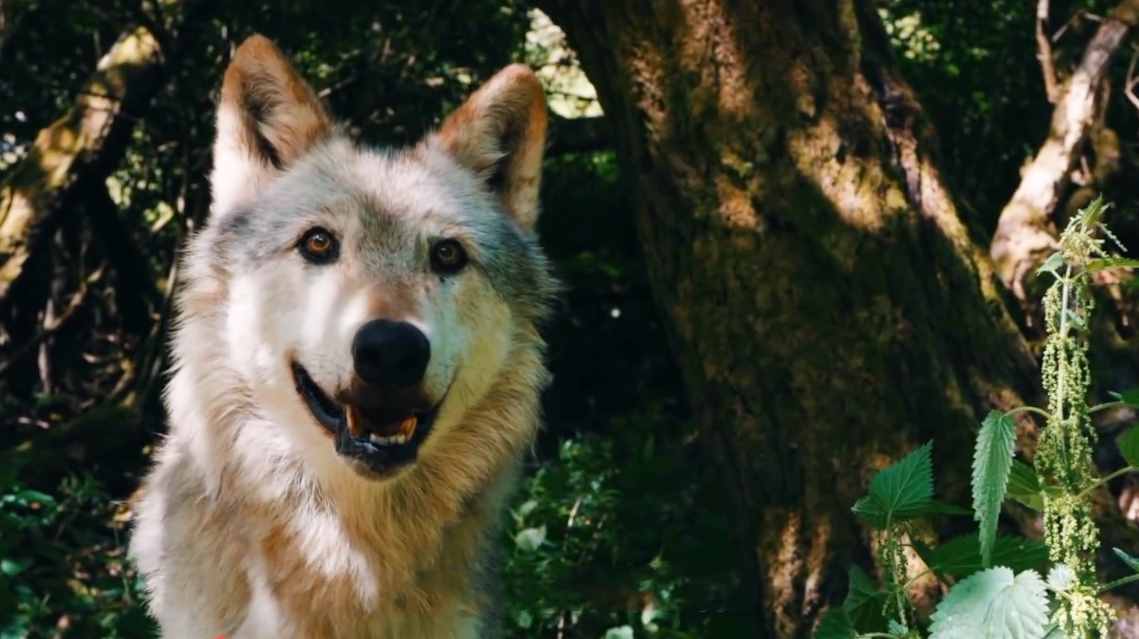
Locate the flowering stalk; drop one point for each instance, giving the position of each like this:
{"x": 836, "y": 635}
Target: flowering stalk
{"x": 1064, "y": 457}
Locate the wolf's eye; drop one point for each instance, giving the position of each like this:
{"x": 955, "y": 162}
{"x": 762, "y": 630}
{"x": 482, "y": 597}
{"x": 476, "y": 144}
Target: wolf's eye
{"x": 448, "y": 256}
{"x": 318, "y": 246}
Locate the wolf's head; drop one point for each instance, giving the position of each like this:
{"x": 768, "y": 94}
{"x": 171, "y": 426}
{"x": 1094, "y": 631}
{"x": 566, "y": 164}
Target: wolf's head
{"x": 368, "y": 300}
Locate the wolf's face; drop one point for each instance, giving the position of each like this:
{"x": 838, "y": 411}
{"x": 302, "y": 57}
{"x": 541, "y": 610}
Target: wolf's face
{"x": 372, "y": 297}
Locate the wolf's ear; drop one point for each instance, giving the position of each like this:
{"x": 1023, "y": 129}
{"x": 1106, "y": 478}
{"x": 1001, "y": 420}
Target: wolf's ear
{"x": 268, "y": 117}
{"x": 500, "y": 133}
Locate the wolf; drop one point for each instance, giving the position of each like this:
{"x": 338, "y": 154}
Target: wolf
{"x": 357, "y": 369}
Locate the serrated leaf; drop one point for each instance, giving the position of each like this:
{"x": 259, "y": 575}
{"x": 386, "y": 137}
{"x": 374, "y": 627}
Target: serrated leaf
{"x": 961, "y": 556}
{"x": 896, "y": 629}
{"x": 1129, "y": 445}
{"x": 993, "y": 604}
{"x": 864, "y": 602}
{"x": 1111, "y": 262}
{"x": 835, "y": 624}
{"x": 530, "y": 539}
{"x": 899, "y": 492}
{"x": 1024, "y": 485}
{"x": 1054, "y": 262}
{"x": 1131, "y": 562}
{"x": 992, "y": 461}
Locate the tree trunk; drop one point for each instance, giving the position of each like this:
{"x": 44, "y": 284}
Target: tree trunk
{"x": 828, "y": 306}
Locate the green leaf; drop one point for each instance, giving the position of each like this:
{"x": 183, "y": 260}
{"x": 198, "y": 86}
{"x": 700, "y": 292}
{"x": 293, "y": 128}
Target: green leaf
{"x": 864, "y": 602}
{"x": 992, "y": 461}
{"x": 993, "y": 604}
{"x": 1054, "y": 262}
{"x": 1111, "y": 262}
{"x": 835, "y": 624}
{"x": 961, "y": 556}
{"x": 35, "y": 496}
{"x": 1024, "y": 485}
{"x": 1129, "y": 445}
{"x": 1129, "y": 397}
{"x": 13, "y": 567}
{"x": 619, "y": 632}
{"x": 530, "y": 539}
{"x": 1131, "y": 562}
{"x": 902, "y": 491}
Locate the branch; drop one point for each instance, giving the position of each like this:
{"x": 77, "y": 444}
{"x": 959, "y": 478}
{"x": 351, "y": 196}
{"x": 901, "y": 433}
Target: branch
{"x": 1024, "y": 233}
{"x": 1044, "y": 52}
{"x": 82, "y": 146}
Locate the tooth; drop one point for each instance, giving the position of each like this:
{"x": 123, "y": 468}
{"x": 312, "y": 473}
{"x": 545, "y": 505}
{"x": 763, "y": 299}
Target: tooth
{"x": 407, "y": 427}
{"x": 375, "y": 439}
{"x": 353, "y": 419}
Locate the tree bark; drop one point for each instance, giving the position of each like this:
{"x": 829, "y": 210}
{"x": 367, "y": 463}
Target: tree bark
{"x": 82, "y": 147}
{"x": 827, "y": 305}
{"x": 1025, "y": 232}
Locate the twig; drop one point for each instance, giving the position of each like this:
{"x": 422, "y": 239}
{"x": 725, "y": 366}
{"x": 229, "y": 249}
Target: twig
{"x": 49, "y": 328}
{"x": 1044, "y": 52}
{"x": 1131, "y": 81}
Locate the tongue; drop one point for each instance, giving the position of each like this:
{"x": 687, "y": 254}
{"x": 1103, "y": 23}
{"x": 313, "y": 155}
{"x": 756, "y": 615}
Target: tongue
{"x": 359, "y": 425}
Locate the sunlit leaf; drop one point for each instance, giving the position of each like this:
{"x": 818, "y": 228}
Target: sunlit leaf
{"x": 992, "y": 460}
{"x": 530, "y": 539}
{"x": 901, "y": 491}
{"x": 993, "y": 604}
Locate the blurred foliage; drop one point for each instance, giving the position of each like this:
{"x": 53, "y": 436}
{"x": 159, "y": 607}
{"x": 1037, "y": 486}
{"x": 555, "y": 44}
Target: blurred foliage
{"x": 609, "y": 533}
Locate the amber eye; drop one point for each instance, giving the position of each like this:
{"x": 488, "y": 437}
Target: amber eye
{"x": 448, "y": 256}
{"x": 318, "y": 246}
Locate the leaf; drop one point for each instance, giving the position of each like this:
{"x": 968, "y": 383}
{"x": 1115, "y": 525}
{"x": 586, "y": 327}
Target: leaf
{"x": 899, "y": 492}
{"x": 864, "y": 602}
{"x": 530, "y": 539}
{"x": 1129, "y": 397}
{"x": 619, "y": 632}
{"x": 961, "y": 556}
{"x": 1111, "y": 262}
{"x": 835, "y": 624}
{"x": 992, "y": 461}
{"x": 28, "y": 495}
{"x": 1052, "y": 264}
{"x": 1024, "y": 485}
{"x": 993, "y": 604}
{"x": 1131, "y": 562}
{"x": 1129, "y": 445}
{"x": 13, "y": 567}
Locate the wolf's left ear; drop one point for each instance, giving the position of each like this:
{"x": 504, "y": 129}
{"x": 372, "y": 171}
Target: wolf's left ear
{"x": 267, "y": 119}
{"x": 500, "y": 134}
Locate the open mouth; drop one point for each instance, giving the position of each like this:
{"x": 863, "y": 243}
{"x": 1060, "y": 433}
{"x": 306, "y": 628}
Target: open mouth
{"x": 379, "y": 441}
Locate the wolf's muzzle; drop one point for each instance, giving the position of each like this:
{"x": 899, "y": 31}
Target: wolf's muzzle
{"x": 392, "y": 354}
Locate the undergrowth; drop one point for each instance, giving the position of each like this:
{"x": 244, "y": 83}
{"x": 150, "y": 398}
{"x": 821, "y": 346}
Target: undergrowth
{"x": 996, "y": 587}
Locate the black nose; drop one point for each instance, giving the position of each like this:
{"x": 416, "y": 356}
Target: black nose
{"x": 390, "y": 353}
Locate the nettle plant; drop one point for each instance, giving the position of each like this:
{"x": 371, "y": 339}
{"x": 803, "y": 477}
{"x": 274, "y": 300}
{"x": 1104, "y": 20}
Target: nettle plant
{"x": 997, "y": 591}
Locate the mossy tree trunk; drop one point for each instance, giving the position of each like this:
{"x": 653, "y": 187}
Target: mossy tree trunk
{"x": 827, "y": 303}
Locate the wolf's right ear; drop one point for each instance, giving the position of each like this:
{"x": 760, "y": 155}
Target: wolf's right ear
{"x": 268, "y": 118}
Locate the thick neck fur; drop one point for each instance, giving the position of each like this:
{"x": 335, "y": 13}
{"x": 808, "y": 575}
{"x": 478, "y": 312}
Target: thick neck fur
{"x": 335, "y": 550}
